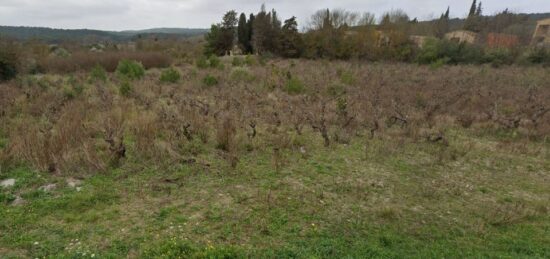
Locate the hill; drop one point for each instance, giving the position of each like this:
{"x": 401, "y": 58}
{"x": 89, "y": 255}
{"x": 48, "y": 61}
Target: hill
{"x": 57, "y": 35}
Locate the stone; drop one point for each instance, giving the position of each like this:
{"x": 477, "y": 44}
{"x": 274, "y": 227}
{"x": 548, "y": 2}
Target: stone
{"x": 18, "y": 201}
{"x": 7, "y": 183}
{"x": 73, "y": 183}
{"x": 48, "y": 188}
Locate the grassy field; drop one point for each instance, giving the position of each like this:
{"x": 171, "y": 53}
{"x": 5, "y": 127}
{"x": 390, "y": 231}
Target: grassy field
{"x": 430, "y": 188}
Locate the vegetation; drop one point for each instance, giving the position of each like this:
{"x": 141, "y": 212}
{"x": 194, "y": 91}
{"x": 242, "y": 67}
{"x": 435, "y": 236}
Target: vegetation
{"x": 383, "y": 160}
{"x": 61, "y": 35}
{"x": 298, "y": 148}
{"x": 9, "y": 61}
{"x": 340, "y": 34}
{"x": 170, "y": 75}
{"x": 130, "y": 69}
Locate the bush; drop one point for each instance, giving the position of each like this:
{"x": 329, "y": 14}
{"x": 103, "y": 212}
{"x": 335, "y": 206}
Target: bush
{"x": 210, "y": 80}
{"x": 294, "y": 86}
{"x": 170, "y": 75}
{"x": 237, "y": 62}
{"x": 538, "y": 56}
{"x": 498, "y": 57}
{"x": 85, "y": 61}
{"x": 126, "y": 87}
{"x": 241, "y": 75}
{"x": 250, "y": 60}
{"x": 437, "y": 51}
{"x": 98, "y": 73}
{"x": 9, "y": 62}
{"x": 130, "y": 69}
{"x": 202, "y": 62}
{"x": 214, "y": 61}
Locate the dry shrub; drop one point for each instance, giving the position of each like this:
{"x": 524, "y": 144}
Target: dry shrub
{"x": 59, "y": 147}
{"x": 85, "y": 61}
{"x": 113, "y": 129}
{"x": 226, "y": 132}
{"x": 144, "y": 128}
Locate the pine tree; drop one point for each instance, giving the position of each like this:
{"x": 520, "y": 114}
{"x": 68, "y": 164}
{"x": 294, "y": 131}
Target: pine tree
{"x": 291, "y": 43}
{"x": 221, "y": 38}
{"x": 473, "y": 9}
{"x": 229, "y": 31}
{"x": 447, "y": 13}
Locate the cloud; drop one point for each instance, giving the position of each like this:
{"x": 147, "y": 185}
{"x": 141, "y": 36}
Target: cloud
{"x": 138, "y": 14}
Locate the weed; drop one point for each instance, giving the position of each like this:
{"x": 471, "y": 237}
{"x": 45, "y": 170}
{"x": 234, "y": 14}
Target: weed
{"x": 98, "y": 74}
{"x": 294, "y": 86}
{"x": 126, "y": 87}
{"x": 130, "y": 69}
{"x": 241, "y": 75}
{"x": 170, "y": 75}
{"x": 209, "y": 81}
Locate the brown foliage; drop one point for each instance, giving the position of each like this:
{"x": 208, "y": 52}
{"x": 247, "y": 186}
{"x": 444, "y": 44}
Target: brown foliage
{"x": 84, "y": 61}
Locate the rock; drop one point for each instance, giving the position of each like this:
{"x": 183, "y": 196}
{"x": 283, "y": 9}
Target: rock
{"x": 73, "y": 183}
{"x": 48, "y": 188}
{"x": 7, "y": 183}
{"x": 18, "y": 201}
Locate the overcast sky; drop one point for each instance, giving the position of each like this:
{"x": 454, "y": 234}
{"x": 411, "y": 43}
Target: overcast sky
{"x": 142, "y": 14}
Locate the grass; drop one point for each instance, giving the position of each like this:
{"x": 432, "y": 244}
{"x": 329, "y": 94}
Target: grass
{"x": 334, "y": 204}
{"x": 250, "y": 162}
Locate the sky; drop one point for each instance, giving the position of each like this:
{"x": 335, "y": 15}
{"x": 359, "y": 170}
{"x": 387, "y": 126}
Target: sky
{"x": 144, "y": 14}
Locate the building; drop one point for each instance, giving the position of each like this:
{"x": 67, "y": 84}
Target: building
{"x": 542, "y": 33}
{"x": 418, "y": 40}
{"x": 501, "y": 40}
{"x": 462, "y": 36}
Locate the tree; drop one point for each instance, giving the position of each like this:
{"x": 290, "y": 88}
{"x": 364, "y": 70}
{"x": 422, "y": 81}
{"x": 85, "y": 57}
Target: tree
{"x": 291, "y": 43}
{"x": 473, "y": 9}
{"x": 229, "y": 30}
{"x": 441, "y": 26}
{"x": 250, "y": 26}
{"x": 243, "y": 34}
{"x": 367, "y": 19}
{"x": 479, "y": 10}
{"x": 260, "y": 27}
{"x": 212, "y": 38}
{"x": 221, "y": 38}
{"x": 475, "y": 21}
{"x": 266, "y": 32}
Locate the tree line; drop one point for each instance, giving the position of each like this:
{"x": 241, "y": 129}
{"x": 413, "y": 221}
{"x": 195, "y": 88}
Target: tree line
{"x": 341, "y": 34}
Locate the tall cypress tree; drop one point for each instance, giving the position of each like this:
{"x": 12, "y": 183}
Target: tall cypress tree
{"x": 242, "y": 34}
{"x": 479, "y": 10}
{"x": 250, "y": 26}
{"x": 473, "y": 9}
{"x": 442, "y": 25}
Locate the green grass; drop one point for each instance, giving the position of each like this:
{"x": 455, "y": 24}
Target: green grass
{"x": 397, "y": 200}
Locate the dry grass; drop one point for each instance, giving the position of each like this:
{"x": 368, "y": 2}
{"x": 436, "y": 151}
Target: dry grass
{"x": 85, "y": 61}
{"x": 96, "y": 128}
